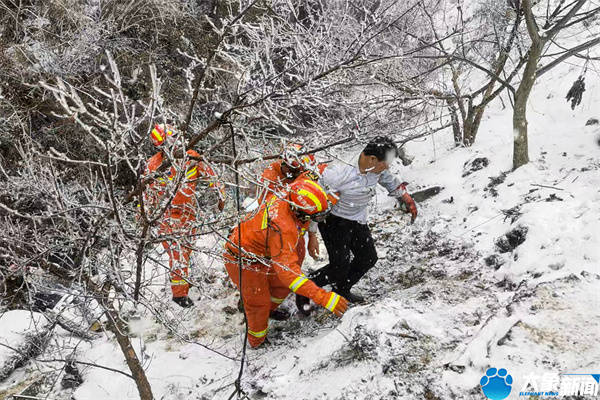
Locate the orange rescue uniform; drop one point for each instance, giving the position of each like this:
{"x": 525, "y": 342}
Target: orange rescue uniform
{"x": 271, "y": 266}
{"x": 180, "y": 216}
{"x": 274, "y": 181}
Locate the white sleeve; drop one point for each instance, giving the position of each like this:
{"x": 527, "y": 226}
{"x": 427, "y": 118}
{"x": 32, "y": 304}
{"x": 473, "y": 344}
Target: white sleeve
{"x": 389, "y": 181}
{"x": 333, "y": 177}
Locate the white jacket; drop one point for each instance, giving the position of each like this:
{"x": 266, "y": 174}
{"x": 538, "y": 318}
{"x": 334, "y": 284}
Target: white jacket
{"x": 355, "y": 189}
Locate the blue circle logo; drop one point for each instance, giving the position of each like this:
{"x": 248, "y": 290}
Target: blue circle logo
{"x": 496, "y": 384}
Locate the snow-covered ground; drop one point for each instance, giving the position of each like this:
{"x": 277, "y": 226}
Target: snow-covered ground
{"x": 445, "y": 303}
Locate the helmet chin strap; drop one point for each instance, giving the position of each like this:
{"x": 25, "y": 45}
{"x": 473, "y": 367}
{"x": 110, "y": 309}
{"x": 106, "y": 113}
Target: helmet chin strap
{"x": 302, "y": 216}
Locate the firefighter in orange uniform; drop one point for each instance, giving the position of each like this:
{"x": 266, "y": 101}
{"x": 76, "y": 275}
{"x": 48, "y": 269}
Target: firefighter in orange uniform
{"x": 270, "y": 264}
{"x": 282, "y": 172}
{"x": 279, "y": 175}
{"x": 179, "y": 215}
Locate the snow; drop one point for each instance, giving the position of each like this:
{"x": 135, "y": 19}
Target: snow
{"x": 14, "y": 325}
{"x": 438, "y": 316}
{"x": 438, "y": 313}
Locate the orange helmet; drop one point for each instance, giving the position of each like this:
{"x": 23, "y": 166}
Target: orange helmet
{"x": 292, "y": 158}
{"x": 309, "y": 199}
{"x": 160, "y": 132}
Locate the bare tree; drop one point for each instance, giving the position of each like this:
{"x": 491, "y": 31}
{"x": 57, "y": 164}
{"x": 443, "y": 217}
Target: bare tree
{"x": 252, "y": 73}
{"x": 559, "y": 19}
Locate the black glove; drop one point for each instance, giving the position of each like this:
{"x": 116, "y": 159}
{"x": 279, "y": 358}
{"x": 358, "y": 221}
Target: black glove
{"x": 303, "y": 304}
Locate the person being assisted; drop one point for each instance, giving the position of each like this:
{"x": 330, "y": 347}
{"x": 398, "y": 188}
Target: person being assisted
{"x": 345, "y": 232}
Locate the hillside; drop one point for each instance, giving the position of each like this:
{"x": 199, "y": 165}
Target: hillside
{"x": 493, "y": 292}
{"x": 446, "y": 300}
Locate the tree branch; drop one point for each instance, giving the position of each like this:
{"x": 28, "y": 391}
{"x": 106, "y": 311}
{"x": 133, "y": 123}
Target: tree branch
{"x": 530, "y": 21}
{"x": 559, "y": 25}
{"x": 278, "y": 155}
{"x": 567, "y": 54}
{"x": 211, "y": 56}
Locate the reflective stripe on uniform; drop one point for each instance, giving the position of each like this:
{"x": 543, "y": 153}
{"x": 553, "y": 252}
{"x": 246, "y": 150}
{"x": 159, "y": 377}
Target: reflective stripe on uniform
{"x": 316, "y": 185}
{"x": 276, "y": 300}
{"x": 297, "y": 283}
{"x": 178, "y": 282}
{"x": 314, "y": 199}
{"x": 157, "y": 135}
{"x": 259, "y": 334}
{"x": 191, "y": 173}
{"x": 333, "y": 301}
{"x": 265, "y": 220}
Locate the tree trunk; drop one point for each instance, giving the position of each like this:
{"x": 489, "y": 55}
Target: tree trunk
{"x": 458, "y": 134}
{"x": 470, "y": 130}
{"x": 138, "y": 373}
{"x": 520, "y": 147}
{"x": 119, "y": 328}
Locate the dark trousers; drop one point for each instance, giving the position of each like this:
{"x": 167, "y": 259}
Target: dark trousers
{"x": 351, "y": 253}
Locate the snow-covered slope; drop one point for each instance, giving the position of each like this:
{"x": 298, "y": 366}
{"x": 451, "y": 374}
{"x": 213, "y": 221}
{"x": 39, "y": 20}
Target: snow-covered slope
{"x": 439, "y": 315}
{"x": 445, "y": 301}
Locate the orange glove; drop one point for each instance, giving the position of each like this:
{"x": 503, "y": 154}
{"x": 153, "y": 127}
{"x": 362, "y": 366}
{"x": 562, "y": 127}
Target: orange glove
{"x": 407, "y": 204}
{"x": 334, "y": 303}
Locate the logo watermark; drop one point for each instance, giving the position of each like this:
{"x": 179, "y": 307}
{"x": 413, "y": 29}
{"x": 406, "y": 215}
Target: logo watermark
{"x": 497, "y": 384}
{"x": 554, "y": 385}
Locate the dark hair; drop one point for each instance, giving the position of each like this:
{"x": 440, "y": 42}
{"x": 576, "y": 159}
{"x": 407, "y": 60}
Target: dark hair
{"x": 379, "y": 146}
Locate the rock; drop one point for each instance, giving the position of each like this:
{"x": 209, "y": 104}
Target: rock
{"x": 512, "y": 239}
{"x": 425, "y": 194}
{"x": 72, "y": 377}
{"x": 592, "y": 121}
{"x": 495, "y": 181}
{"x": 475, "y": 165}
{"x": 494, "y": 261}
{"x": 44, "y": 301}
{"x": 230, "y": 310}
{"x": 557, "y": 265}
{"x": 506, "y": 284}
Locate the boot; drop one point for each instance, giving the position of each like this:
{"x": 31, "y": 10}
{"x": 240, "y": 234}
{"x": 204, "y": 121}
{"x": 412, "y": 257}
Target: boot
{"x": 279, "y": 314}
{"x": 303, "y": 304}
{"x": 351, "y": 297}
{"x": 183, "y": 301}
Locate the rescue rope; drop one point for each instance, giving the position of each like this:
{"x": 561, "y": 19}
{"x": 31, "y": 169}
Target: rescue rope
{"x": 238, "y": 381}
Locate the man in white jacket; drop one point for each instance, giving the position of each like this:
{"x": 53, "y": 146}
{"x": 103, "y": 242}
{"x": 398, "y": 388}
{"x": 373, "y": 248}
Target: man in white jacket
{"x": 345, "y": 232}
